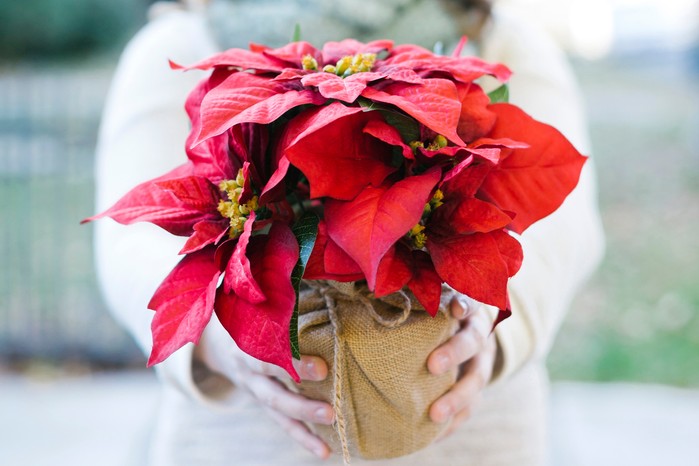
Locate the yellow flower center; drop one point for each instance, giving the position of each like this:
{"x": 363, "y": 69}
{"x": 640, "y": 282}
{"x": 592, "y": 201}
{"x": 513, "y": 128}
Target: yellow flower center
{"x": 439, "y": 142}
{"x": 232, "y": 209}
{"x": 309, "y": 63}
{"x": 418, "y": 236}
{"x": 350, "y": 64}
{"x": 417, "y": 233}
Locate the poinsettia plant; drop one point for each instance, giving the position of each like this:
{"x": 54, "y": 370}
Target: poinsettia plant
{"x": 374, "y": 162}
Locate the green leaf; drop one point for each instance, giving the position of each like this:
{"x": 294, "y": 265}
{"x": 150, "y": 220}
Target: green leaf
{"x": 500, "y": 95}
{"x": 297, "y": 33}
{"x": 408, "y": 128}
{"x": 306, "y": 232}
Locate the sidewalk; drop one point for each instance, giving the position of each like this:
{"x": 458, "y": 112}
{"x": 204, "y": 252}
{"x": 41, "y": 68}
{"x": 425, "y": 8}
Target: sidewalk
{"x": 104, "y": 420}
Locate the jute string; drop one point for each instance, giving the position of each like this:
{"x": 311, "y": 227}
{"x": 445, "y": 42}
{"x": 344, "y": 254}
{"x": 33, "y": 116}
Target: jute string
{"x": 338, "y": 360}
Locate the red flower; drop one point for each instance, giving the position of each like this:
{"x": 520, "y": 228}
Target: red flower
{"x": 420, "y": 181}
{"x": 421, "y": 84}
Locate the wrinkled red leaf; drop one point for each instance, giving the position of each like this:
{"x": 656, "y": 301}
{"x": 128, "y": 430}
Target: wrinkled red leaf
{"x": 262, "y": 330}
{"x": 425, "y": 283}
{"x": 388, "y": 134}
{"x": 333, "y": 51}
{"x": 293, "y": 53}
{"x": 315, "y": 269}
{"x": 205, "y": 232}
{"x": 239, "y": 58}
{"x": 532, "y": 182}
{"x": 148, "y": 202}
{"x": 210, "y": 158}
{"x": 475, "y": 119}
{"x": 510, "y": 250}
{"x": 394, "y": 272}
{"x": 335, "y": 155}
{"x": 471, "y": 264}
{"x": 463, "y": 69}
{"x": 367, "y": 226}
{"x": 468, "y": 215}
{"x": 195, "y": 191}
{"x": 333, "y": 86}
{"x": 239, "y": 277}
{"x": 248, "y": 98}
{"x": 435, "y": 104}
{"x": 183, "y": 304}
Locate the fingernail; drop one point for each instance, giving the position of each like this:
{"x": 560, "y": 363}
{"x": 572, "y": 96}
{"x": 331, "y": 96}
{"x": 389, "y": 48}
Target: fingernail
{"x": 319, "y": 451}
{"x": 310, "y": 369}
{"x": 443, "y": 412}
{"x": 322, "y": 415}
{"x": 463, "y": 308}
{"x": 442, "y": 363}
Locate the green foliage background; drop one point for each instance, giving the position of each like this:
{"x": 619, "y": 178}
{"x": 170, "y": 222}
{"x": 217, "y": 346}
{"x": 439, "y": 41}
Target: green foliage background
{"x": 40, "y": 29}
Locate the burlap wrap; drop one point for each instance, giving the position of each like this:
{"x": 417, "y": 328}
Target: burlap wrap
{"x": 378, "y": 381}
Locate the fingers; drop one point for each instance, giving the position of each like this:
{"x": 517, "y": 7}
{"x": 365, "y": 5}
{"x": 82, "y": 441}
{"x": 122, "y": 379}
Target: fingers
{"x": 300, "y": 433}
{"x": 461, "y": 307}
{"x": 466, "y": 393}
{"x": 275, "y": 396}
{"x": 311, "y": 368}
{"x": 464, "y": 345}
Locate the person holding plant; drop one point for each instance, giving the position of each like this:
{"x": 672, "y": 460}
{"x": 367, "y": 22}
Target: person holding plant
{"x": 214, "y": 395}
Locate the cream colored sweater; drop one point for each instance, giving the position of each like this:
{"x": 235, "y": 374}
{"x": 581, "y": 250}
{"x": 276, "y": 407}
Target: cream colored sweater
{"x": 204, "y": 419}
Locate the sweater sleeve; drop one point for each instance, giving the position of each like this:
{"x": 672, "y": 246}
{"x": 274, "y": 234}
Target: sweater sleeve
{"x": 142, "y": 136}
{"x": 563, "y": 249}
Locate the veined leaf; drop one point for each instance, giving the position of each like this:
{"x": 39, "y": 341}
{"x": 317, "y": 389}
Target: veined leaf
{"x": 306, "y": 232}
{"x": 500, "y": 95}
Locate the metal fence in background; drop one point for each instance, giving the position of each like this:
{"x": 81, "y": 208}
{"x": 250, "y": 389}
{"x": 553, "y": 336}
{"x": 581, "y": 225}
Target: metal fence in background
{"x": 50, "y": 306}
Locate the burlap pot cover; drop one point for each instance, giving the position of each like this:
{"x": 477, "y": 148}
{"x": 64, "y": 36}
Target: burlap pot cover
{"x": 378, "y": 381}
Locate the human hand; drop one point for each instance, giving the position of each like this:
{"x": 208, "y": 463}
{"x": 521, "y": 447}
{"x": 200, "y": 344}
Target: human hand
{"x": 472, "y": 350}
{"x": 264, "y": 382}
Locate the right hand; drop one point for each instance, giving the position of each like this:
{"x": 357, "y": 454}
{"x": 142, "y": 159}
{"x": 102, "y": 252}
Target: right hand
{"x": 263, "y": 381}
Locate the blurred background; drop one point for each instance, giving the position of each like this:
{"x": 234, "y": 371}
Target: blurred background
{"x": 629, "y": 347}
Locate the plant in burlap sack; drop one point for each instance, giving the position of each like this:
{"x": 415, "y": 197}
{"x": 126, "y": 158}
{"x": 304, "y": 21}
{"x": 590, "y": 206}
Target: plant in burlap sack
{"x": 376, "y": 163}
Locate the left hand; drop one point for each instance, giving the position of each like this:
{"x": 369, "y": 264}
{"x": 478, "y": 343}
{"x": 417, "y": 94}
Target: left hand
{"x": 472, "y": 350}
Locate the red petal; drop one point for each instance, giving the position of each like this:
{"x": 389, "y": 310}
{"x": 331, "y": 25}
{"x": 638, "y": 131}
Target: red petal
{"x": 425, "y": 283}
{"x": 476, "y": 119}
{"x": 331, "y": 150}
{"x": 148, "y": 202}
{"x": 394, "y": 272}
{"x": 262, "y": 329}
{"x": 239, "y": 58}
{"x": 370, "y": 224}
{"x": 315, "y": 269}
{"x": 195, "y": 191}
{"x": 239, "y": 277}
{"x": 333, "y": 86}
{"x": 244, "y": 97}
{"x": 211, "y": 158}
{"x": 463, "y": 69}
{"x": 183, "y": 304}
{"x": 390, "y": 135}
{"x": 468, "y": 215}
{"x": 531, "y": 182}
{"x": 472, "y": 265}
{"x": 205, "y": 232}
{"x": 333, "y": 51}
{"x": 435, "y": 104}
{"x": 338, "y": 262}
{"x": 510, "y": 250}
{"x": 293, "y": 53}
{"x": 463, "y": 182}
